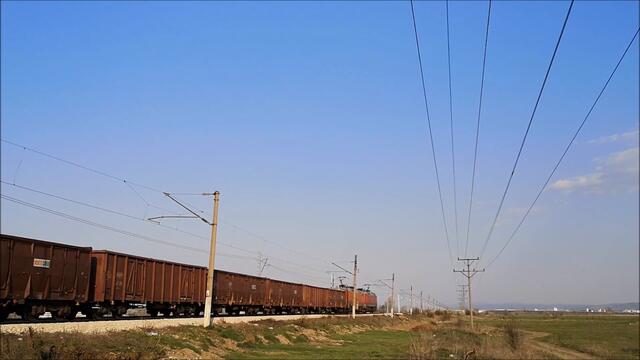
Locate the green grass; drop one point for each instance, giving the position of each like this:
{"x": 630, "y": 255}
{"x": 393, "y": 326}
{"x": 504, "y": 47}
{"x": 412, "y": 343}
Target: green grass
{"x": 614, "y": 337}
{"x": 228, "y": 332}
{"x": 606, "y": 336}
{"x": 376, "y": 344}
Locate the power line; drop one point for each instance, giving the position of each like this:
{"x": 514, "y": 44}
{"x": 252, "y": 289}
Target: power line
{"x": 259, "y": 237}
{"x": 433, "y": 150}
{"x": 115, "y": 212}
{"x": 524, "y": 138}
{"x": 129, "y": 233}
{"x": 295, "y": 273}
{"x": 453, "y": 153}
{"x": 475, "y": 152}
{"x": 98, "y": 225}
{"x": 564, "y": 153}
{"x": 68, "y": 162}
{"x": 119, "y": 213}
{"x": 128, "y": 183}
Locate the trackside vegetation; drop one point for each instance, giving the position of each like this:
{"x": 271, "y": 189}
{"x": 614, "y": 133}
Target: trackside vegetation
{"x": 427, "y": 336}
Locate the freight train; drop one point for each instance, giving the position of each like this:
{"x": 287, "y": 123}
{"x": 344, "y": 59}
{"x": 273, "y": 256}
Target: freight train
{"x": 39, "y": 276}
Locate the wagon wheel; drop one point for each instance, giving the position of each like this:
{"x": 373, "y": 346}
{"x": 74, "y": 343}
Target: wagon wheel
{"x": 116, "y": 314}
{"x": 152, "y": 312}
{"x": 3, "y": 315}
{"x": 71, "y": 315}
{"x": 28, "y": 316}
{"x": 57, "y": 315}
{"x": 95, "y": 315}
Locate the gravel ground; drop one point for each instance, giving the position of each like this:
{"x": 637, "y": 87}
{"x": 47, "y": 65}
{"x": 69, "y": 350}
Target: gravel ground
{"x": 117, "y": 325}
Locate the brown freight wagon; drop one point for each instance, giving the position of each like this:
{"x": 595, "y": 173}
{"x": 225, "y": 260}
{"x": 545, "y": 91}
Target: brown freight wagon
{"x": 120, "y": 280}
{"x": 283, "y": 296}
{"x": 39, "y": 276}
{"x": 338, "y": 300}
{"x": 312, "y": 298}
{"x": 322, "y": 300}
{"x": 238, "y": 292}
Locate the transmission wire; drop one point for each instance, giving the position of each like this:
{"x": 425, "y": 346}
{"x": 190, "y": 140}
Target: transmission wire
{"x": 564, "y": 153}
{"x": 475, "y": 152}
{"x": 524, "y": 138}
{"x": 433, "y": 150}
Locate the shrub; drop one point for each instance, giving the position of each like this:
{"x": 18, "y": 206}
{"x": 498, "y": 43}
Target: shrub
{"x": 445, "y": 316}
{"x": 513, "y": 333}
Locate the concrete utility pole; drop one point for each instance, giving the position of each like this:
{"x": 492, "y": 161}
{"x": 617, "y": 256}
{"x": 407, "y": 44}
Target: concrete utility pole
{"x": 390, "y": 299}
{"x": 355, "y": 271}
{"x": 421, "y": 307}
{"x": 212, "y": 258}
{"x": 212, "y": 249}
{"x": 387, "y": 305}
{"x": 411, "y": 301}
{"x": 469, "y": 273}
{"x": 393, "y": 288}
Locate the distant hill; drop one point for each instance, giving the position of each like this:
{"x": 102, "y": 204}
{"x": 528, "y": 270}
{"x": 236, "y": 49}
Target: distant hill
{"x": 572, "y": 307}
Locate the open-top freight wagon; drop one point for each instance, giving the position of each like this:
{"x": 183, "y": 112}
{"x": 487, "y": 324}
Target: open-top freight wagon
{"x": 39, "y": 276}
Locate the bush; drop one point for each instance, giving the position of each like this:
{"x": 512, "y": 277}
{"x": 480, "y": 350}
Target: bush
{"x": 445, "y": 316}
{"x": 513, "y": 333}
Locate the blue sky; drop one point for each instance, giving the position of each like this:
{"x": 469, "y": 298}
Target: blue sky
{"x": 308, "y": 117}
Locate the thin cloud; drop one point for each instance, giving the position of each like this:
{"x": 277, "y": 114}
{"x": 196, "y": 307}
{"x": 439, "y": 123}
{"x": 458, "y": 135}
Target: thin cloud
{"x": 624, "y": 137}
{"x": 578, "y": 182}
{"x": 615, "y": 173}
{"x": 511, "y": 215}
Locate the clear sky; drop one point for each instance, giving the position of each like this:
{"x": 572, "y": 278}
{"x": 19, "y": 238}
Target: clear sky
{"x": 308, "y": 118}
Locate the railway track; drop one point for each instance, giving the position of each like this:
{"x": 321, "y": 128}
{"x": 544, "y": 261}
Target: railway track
{"x": 137, "y": 322}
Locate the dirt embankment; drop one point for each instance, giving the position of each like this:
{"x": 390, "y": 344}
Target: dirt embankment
{"x": 558, "y": 351}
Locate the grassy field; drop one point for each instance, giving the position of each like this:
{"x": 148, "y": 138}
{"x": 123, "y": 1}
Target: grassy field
{"x": 419, "y": 337}
{"x": 375, "y": 344}
{"x": 432, "y": 336}
{"x": 605, "y": 336}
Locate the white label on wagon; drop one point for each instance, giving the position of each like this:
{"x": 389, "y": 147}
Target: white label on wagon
{"x": 41, "y": 263}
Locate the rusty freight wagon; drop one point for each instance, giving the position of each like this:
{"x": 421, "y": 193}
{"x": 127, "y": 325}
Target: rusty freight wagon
{"x": 322, "y": 300}
{"x": 39, "y": 276}
{"x": 119, "y": 281}
{"x": 282, "y": 297}
{"x": 339, "y": 300}
{"x": 238, "y": 292}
